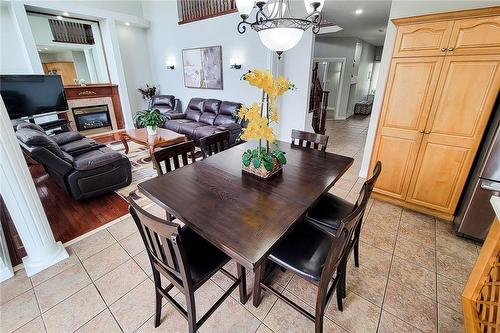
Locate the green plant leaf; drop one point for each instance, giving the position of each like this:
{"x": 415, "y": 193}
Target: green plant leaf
{"x": 246, "y": 161}
{"x": 256, "y": 162}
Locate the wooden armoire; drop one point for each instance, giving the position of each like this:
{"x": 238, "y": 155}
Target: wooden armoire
{"x": 442, "y": 84}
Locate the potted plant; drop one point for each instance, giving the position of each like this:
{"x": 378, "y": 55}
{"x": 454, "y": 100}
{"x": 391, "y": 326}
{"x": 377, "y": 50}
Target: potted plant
{"x": 263, "y": 161}
{"x": 150, "y": 119}
{"x": 148, "y": 92}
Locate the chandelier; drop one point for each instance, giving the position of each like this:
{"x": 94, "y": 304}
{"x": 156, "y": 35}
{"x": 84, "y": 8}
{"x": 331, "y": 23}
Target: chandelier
{"x": 278, "y": 30}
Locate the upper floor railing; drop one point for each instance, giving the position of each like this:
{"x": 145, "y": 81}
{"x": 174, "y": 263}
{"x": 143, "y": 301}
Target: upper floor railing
{"x": 195, "y": 10}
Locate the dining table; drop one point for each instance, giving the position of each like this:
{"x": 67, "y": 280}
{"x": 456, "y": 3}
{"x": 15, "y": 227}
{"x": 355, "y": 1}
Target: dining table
{"x": 241, "y": 214}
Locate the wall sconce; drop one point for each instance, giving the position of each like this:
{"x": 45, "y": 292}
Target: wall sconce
{"x": 170, "y": 64}
{"x": 235, "y": 63}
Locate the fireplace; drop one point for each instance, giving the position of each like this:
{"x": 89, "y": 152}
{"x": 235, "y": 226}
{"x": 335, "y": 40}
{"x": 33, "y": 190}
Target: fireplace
{"x": 92, "y": 117}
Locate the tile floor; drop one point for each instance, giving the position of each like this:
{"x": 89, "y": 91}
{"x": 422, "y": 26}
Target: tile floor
{"x": 412, "y": 272}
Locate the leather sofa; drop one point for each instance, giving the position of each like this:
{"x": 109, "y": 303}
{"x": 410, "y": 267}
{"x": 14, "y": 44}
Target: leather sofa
{"x": 204, "y": 117}
{"x": 81, "y": 166}
{"x": 167, "y": 104}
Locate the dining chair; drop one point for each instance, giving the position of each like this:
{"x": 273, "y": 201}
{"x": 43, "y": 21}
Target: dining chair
{"x": 213, "y": 144}
{"x": 330, "y": 210}
{"x": 314, "y": 253}
{"x": 174, "y": 157}
{"x": 186, "y": 260}
{"x": 306, "y": 139}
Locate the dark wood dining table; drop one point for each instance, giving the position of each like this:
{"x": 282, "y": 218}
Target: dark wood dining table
{"x": 241, "y": 214}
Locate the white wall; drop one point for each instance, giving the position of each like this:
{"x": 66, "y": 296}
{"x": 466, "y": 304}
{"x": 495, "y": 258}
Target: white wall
{"x": 11, "y": 48}
{"x": 134, "y": 49}
{"x": 405, "y": 9}
{"x": 364, "y": 74}
{"x": 167, "y": 39}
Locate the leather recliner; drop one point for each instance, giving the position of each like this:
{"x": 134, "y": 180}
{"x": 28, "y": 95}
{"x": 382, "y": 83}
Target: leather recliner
{"x": 204, "y": 117}
{"x": 79, "y": 165}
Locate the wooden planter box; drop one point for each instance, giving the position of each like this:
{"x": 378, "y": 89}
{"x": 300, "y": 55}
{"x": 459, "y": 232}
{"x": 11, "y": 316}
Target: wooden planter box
{"x": 261, "y": 172}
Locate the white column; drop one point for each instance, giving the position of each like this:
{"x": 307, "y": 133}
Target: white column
{"x": 22, "y": 201}
{"x": 6, "y": 271}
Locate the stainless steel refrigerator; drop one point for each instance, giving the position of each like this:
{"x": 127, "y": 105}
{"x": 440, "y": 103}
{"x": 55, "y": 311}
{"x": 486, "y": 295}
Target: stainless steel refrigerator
{"x": 475, "y": 214}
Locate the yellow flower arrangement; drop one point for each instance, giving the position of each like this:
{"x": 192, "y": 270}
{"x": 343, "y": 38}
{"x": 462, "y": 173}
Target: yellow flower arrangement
{"x": 260, "y": 115}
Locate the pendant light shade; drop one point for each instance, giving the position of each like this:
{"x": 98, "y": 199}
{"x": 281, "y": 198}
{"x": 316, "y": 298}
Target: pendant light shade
{"x": 310, "y": 8}
{"x": 244, "y": 7}
{"x": 280, "y": 39}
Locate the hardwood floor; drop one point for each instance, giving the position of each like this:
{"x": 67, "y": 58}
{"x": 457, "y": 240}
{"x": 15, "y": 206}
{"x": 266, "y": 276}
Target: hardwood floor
{"x": 70, "y": 218}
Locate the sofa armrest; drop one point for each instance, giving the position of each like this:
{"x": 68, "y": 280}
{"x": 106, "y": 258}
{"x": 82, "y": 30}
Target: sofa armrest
{"x": 230, "y": 127}
{"x": 175, "y": 115}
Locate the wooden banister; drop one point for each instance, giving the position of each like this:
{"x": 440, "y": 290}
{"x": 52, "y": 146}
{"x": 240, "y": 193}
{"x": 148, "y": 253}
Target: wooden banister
{"x": 196, "y": 10}
{"x": 480, "y": 298}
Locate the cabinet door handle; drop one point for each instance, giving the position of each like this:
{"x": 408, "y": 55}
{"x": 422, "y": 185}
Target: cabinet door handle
{"x": 422, "y": 131}
{"x": 427, "y": 132}
{"x": 451, "y": 48}
{"x": 443, "y": 49}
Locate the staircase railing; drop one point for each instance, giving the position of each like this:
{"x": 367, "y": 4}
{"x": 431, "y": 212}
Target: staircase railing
{"x": 195, "y": 10}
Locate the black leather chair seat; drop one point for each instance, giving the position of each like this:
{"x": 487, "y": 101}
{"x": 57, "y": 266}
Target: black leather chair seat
{"x": 175, "y": 124}
{"x": 80, "y": 146}
{"x": 303, "y": 251}
{"x": 189, "y": 128}
{"x": 329, "y": 210}
{"x": 204, "y": 258}
{"x": 96, "y": 158}
{"x": 201, "y": 132}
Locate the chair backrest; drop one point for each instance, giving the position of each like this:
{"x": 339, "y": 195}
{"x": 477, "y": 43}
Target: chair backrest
{"x": 162, "y": 102}
{"x": 306, "y": 139}
{"x": 338, "y": 246}
{"x": 370, "y": 183}
{"x": 213, "y": 144}
{"x": 162, "y": 240}
{"x": 173, "y": 157}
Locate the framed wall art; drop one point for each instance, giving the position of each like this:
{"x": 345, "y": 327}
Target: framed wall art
{"x": 203, "y": 67}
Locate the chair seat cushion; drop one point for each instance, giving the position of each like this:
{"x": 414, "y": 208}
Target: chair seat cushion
{"x": 329, "y": 210}
{"x": 96, "y": 158}
{"x": 204, "y": 259}
{"x": 174, "y": 124}
{"x": 80, "y": 145}
{"x": 189, "y": 128}
{"x": 201, "y": 132}
{"x": 303, "y": 251}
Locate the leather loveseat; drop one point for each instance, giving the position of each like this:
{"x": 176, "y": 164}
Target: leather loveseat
{"x": 81, "y": 166}
{"x": 204, "y": 117}
{"x": 167, "y": 104}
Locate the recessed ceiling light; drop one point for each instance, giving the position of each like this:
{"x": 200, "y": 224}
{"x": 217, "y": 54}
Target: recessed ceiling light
{"x": 45, "y": 48}
{"x": 358, "y": 11}
{"x": 127, "y": 24}
{"x": 59, "y": 17}
{"x": 65, "y": 13}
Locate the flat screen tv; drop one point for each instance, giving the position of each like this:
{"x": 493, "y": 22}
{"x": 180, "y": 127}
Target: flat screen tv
{"x": 31, "y": 95}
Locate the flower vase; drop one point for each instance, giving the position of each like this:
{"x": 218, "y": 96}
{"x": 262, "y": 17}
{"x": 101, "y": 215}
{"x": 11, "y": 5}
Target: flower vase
{"x": 152, "y": 130}
{"x": 261, "y": 172}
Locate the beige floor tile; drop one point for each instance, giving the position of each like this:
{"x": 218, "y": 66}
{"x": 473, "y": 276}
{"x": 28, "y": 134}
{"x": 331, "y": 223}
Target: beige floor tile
{"x": 34, "y": 326}
{"x": 372, "y": 258}
{"x": 415, "y": 253}
{"x": 105, "y": 261}
{"x": 14, "y": 286}
{"x": 454, "y": 267}
{"x": 93, "y": 244}
{"x": 204, "y": 297}
{"x": 56, "y": 269}
{"x": 340, "y": 192}
{"x": 410, "y": 306}
{"x": 386, "y": 210}
{"x": 449, "y": 293}
{"x": 135, "y": 308}
{"x": 120, "y": 281}
{"x": 133, "y": 244}
{"x": 123, "y": 228}
{"x": 102, "y": 323}
{"x": 378, "y": 237}
{"x": 392, "y": 324}
{"x": 157, "y": 211}
{"x": 365, "y": 282}
{"x": 284, "y": 318}
{"x": 450, "y": 321}
{"x": 61, "y": 286}
{"x": 351, "y": 319}
{"x": 75, "y": 311}
{"x": 142, "y": 260}
{"x": 414, "y": 277}
{"x": 303, "y": 289}
{"x": 418, "y": 228}
{"x": 171, "y": 322}
{"x": 263, "y": 329}
{"x": 239, "y": 320}
{"x": 18, "y": 312}
{"x": 456, "y": 246}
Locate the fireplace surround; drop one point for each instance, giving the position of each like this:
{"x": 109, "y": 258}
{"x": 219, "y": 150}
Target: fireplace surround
{"x": 92, "y": 117}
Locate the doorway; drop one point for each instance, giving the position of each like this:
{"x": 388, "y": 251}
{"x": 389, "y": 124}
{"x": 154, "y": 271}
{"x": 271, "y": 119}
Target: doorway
{"x": 331, "y": 75}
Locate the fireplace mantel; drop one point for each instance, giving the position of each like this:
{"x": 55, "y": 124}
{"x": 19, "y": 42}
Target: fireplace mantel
{"x": 91, "y": 91}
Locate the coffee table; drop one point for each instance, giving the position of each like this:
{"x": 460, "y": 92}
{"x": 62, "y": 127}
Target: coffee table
{"x": 163, "y": 138}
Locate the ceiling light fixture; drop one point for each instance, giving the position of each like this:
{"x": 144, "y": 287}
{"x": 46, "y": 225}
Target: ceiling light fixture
{"x": 65, "y": 14}
{"x": 358, "y": 11}
{"x": 127, "y": 24}
{"x": 59, "y": 17}
{"x": 278, "y": 30}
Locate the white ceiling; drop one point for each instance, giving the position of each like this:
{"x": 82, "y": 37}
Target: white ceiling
{"x": 366, "y": 26}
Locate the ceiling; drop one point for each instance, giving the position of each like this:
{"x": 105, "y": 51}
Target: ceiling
{"x": 370, "y": 25}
